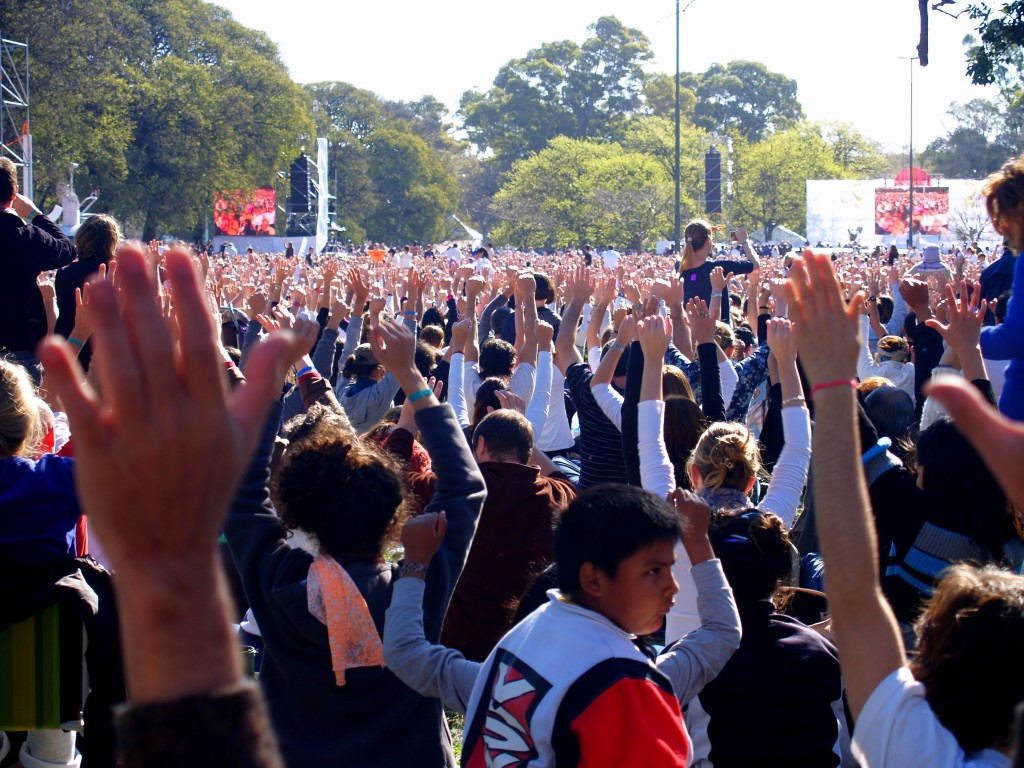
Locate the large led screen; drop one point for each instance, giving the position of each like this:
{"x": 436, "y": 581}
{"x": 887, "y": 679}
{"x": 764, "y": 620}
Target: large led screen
{"x": 931, "y": 211}
{"x": 246, "y": 212}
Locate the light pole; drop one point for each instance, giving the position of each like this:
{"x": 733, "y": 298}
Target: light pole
{"x": 910, "y": 223}
{"x": 678, "y": 220}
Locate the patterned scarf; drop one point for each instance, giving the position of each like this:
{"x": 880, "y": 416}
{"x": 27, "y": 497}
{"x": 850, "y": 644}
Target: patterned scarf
{"x": 334, "y": 599}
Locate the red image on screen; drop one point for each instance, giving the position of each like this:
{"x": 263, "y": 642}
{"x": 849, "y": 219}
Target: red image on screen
{"x": 931, "y": 211}
{"x": 246, "y": 212}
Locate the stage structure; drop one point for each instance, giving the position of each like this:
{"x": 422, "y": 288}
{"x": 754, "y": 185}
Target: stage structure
{"x": 15, "y": 114}
{"x": 247, "y": 218}
{"x": 945, "y": 211}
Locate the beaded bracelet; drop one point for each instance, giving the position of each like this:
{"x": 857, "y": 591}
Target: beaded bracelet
{"x": 419, "y": 395}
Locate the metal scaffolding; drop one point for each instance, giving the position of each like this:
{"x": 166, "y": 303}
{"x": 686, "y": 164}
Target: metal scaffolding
{"x": 15, "y": 115}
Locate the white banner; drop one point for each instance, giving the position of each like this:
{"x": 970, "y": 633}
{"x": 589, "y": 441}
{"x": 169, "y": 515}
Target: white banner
{"x": 322, "y": 198}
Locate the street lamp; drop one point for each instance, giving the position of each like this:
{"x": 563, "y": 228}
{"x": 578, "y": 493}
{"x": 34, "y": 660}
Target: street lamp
{"x": 679, "y": 213}
{"x": 910, "y": 227}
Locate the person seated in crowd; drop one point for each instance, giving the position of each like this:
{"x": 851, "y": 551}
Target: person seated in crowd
{"x": 321, "y": 616}
{"x": 891, "y": 361}
{"x": 96, "y": 242}
{"x": 783, "y": 671}
{"x": 1004, "y": 198}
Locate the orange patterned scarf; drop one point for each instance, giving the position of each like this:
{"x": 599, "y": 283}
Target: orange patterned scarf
{"x": 334, "y": 599}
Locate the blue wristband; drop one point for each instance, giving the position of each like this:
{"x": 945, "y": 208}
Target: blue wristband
{"x": 303, "y": 372}
{"x": 76, "y": 342}
{"x": 419, "y": 395}
{"x": 883, "y": 445}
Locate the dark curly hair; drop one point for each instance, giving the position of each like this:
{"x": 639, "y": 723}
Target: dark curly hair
{"x": 349, "y": 496}
{"x": 968, "y": 654}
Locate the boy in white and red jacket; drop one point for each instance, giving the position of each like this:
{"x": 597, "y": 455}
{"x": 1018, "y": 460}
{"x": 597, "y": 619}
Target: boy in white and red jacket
{"x": 567, "y": 686}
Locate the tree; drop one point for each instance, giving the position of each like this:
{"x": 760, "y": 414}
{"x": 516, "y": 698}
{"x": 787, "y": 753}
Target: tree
{"x": 415, "y": 195}
{"x": 181, "y": 103}
{"x": 745, "y": 97}
{"x": 544, "y": 201}
{"x": 980, "y": 142}
{"x": 660, "y": 98}
{"x": 631, "y": 197}
{"x": 1001, "y": 33}
{"x": 655, "y": 137}
{"x": 576, "y": 191}
{"x": 857, "y": 156}
{"x": 770, "y": 177}
{"x": 560, "y": 89}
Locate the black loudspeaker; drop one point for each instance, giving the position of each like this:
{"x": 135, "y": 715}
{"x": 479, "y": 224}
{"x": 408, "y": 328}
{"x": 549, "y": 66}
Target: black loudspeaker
{"x": 300, "y": 199}
{"x": 713, "y": 181}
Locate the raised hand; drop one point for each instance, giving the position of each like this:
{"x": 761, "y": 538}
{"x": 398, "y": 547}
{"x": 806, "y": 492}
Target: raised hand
{"x": 826, "y": 328}
{"x": 781, "y": 340}
{"x": 545, "y": 335}
{"x": 962, "y": 331}
{"x": 702, "y": 323}
{"x": 654, "y": 334}
{"x": 158, "y": 504}
{"x": 422, "y": 537}
{"x": 719, "y": 280}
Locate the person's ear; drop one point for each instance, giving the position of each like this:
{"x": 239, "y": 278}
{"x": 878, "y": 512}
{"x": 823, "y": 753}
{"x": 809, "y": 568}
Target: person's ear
{"x": 592, "y": 579}
{"x": 696, "y": 481}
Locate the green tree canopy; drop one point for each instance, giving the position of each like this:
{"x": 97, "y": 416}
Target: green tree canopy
{"x": 414, "y": 193}
{"x": 769, "y": 181}
{"x": 744, "y": 97}
{"x": 164, "y": 103}
{"x": 560, "y": 89}
{"x": 573, "y": 191}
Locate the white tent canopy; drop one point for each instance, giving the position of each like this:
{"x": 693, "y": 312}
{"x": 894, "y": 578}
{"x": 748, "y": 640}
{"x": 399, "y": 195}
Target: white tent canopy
{"x": 777, "y": 235}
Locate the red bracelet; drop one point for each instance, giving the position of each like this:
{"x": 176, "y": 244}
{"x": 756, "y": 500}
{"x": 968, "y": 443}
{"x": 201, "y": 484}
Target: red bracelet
{"x": 836, "y": 383}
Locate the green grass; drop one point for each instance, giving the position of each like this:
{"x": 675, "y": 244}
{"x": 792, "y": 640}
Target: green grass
{"x": 456, "y": 724}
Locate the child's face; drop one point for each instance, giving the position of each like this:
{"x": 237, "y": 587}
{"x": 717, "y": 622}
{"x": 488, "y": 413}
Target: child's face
{"x": 642, "y": 591}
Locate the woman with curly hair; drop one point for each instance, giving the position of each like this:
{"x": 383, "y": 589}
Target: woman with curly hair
{"x": 322, "y": 615}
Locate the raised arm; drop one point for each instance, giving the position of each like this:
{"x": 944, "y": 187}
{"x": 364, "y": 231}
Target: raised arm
{"x": 656, "y": 471}
{"x": 157, "y": 505}
{"x": 580, "y": 289}
{"x": 696, "y": 659}
{"x": 790, "y": 476}
{"x": 459, "y": 490}
{"x": 827, "y": 337}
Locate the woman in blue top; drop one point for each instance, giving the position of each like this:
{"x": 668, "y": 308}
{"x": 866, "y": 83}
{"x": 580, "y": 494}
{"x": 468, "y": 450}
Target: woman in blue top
{"x": 695, "y": 268}
{"x": 1004, "y": 198}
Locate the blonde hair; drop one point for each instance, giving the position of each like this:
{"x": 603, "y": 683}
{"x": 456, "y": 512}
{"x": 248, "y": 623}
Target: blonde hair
{"x": 727, "y": 456}
{"x": 98, "y": 238}
{"x": 20, "y": 423}
{"x": 1004, "y": 191}
{"x": 893, "y": 348}
{"x": 696, "y": 234}
{"x": 724, "y": 335}
{"x": 872, "y": 383}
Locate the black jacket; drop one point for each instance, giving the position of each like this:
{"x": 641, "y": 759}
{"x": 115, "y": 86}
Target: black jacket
{"x": 25, "y": 251}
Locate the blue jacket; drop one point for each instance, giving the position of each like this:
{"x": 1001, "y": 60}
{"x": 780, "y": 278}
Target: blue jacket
{"x": 1006, "y": 342}
{"x": 374, "y": 720}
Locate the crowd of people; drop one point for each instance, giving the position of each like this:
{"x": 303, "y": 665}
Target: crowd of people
{"x": 615, "y": 509}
